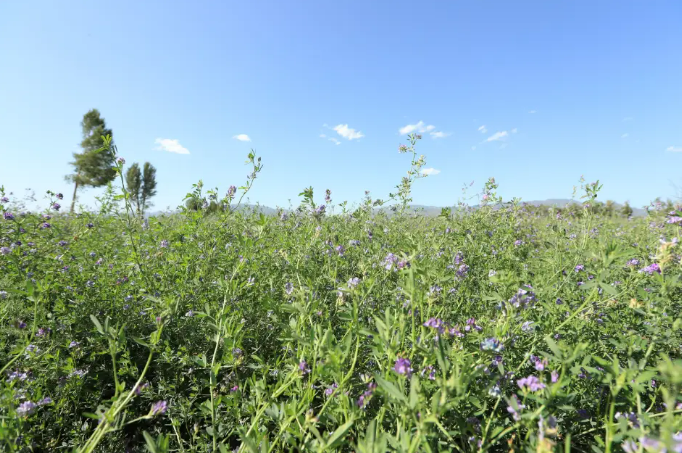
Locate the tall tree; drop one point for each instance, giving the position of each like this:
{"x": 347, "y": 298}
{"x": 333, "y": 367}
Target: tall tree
{"x": 626, "y": 210}
{"x": 141, "y": 185}
{"x": 94, "y": 166}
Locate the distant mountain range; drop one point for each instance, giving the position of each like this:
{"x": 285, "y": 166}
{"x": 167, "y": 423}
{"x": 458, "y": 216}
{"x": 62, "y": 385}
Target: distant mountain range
{"x": 429, "y": 211}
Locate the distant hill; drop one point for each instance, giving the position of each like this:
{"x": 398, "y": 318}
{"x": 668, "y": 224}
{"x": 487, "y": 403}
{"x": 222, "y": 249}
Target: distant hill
{"x": 429, "y": 211}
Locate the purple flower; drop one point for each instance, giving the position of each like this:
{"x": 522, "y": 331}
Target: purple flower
{"x": 435, "y": 323}
{"x": 60, "y": 196}
{"x": 633, "y": 262}
{"x": 63, "y": 243}
{"x": 555, "y": 376}
{"x": 4, "y": 200}
{"x": 5, "y": 250}
{"x": 231, "y": 191}
{"x": 303, "y": 367}
{"x": 402, "y": 366}
{"x": 90, "y": 225}
{"x": 674, "y": 219}
{"x": 340, "y": 249}
{"x": 462, "y": 271}
{"x": 74, "y": 344}
{"x": 389, "y": 261}
{"x": 140, "y": 387}
{"x": 8, "y": 215}
{"x": 26, "y": 408}
{"x": 320, "y": 210}
{"x": 515, "y": 408}
{"x": 650, "y": 269}
{"x": 22, "y": 324}
{"x": 289, "y": 288}
{"x": 44, "y": 401}
{"x": 329, "y": 390}
{"x": 121, "y": 160}
{"x": 367, "y": 395}
{"x": 159, "y": 408}
{"x": 353, "y": 282}
{"x": 540, "y": 364}
{"x": 579, "y": 268}
{"x": 56, "y": 206}
{"x": 41, "y": 332}
{"x": 518, "y": 242}
{"x": 164, "y": 244}
{"x": 527, "y": 326}
{"x": 531, "y": 383}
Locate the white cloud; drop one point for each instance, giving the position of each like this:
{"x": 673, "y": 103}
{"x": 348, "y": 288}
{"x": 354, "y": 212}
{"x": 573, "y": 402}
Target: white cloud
{"x": 674, "y": 149}
{"x": 532, "y": 111}
{"x": 170, "y": 145}
{"x": 419, "y": 127}
{"x": 323, "y": 136}
{"x": 338, "y": 142}
{"x": 482, "y": 129}
{"x": 625, "y": 135}
{"x": 346, "y": 132}
{"x": 430, "y": 171}
{"x": 439, "y": 134}
{"x": 514, "y": 131}
{"x": 497, "y": 136}
{"x": 242, "y": 138}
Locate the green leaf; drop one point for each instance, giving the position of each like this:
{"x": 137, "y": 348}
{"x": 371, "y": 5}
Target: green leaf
{"x": 97, "y": 324}
{"x": 151, "y": 443}
{"x": 338, "y": 435}
{"x": 391, "y": 389}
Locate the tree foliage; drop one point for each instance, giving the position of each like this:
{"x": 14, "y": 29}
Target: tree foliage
{"x": 94, "y": 166}
{"x": 141, "y": 185}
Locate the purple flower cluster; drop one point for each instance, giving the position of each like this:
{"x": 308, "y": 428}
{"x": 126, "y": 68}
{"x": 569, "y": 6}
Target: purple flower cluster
{"x": 364, "y": 399}
{"x": 650, "y": 269}
{"x": 522, "y": 298}
{"x": 159, "y": 408}
{"x": 531, "y": 383}
{"x": 402, "y": 366}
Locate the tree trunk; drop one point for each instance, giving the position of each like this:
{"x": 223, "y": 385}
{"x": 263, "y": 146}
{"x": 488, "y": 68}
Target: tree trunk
{"x": 73, "y": 201}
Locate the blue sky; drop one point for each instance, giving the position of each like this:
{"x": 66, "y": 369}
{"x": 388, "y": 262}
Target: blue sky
{"x": 570, "y": 88}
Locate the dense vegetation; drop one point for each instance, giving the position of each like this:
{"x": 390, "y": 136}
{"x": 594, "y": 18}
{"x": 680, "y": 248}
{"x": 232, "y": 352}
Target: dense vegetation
{"x": 499, "y": 328}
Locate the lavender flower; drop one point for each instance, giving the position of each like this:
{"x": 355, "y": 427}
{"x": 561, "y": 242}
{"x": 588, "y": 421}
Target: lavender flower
{"x": 492, "y": 344}
{"x": 121, "y": 161}
{"x": 289, "y": 288}
{"x": 164, "y": 244}
{"x": 555, "y": 376}
{"x": 26, "y": 408}
{"x": 462, "y": 271}
{"x": 8, "y": 215}
{"x": 402, "y": 366}
{"x": 329, "y": 390}
{"x": 303, "y": 367}
{"x": 56, "y": 206}
{"x": 74, "y": 344}
{"x": 159, "y": 408}
{"x": 5, "y": 250}
{"x": 367, "y": 395}
{"x": 44, "y": 401}
{"x": 579, "y": 268}
{"x": 353, "y": 282}
{"x": 650, "y": 269}
{"x": 531, "y": 383}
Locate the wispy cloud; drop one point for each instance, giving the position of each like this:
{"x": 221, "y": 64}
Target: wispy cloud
{"x": 346, "y": 132}
{"x": 170, "y": 145}
{"x": 482, "y": 129}
{"x": 498, "y": 136}
{"x": 242, "y": 138}
{"x": 323, "y": 136}
{"x": 625, "y": 135}
{"x": 423, "y": 128}
{"x": 332, "y": 139}
{"x": 420, "y": 127}
{"x": 532, "y": 111}
{"x": 674, "y": 149}
{"x": 430, "y": 171}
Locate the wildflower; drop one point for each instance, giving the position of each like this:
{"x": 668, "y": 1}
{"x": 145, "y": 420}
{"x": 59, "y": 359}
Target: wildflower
{"x": 5, "y": 250}
{"x": 3, "y": 294}
{"x": 4, "y": 200}
{"x": 531, "y": 383}
{"x": 33, "y": 348}
{"x": 289, "y": 288}
{"x": 164, "y": 244}
{"x": 650, "y": 269}
{"x": 20, "y": 324}
{"x": 435, "y": 290}
{"x": 540, "y": 364}
{"x": 41, "y": 332}
{"x": 389, "y": 261}
{"x": 515, "y": 408}
{"x": 8, "y": 215}
{"x": 56, "y": 206}
{"x": 402, "y": 366}
{"x": 522, "y": 298}
{"x": 231, "y": 191}
{"x": 320, "y": 210}
{"x": 435, "y": 323}
{"x": 633, "y": 262}
{"x": 26, "y": 408}
{"x": 432, "y": 372}
{"x": 492, "y": 344}
{"x": 555, "y": 376}
{"x": 518, "y": 242}
{"x": 462, "y": 271}
{"x": 90, "y": 225}
{"x": 367, "y": 395}
{"x": 579, "y": 268}
{"x": 140, "y": 387}
{"x": 60, "y": 196}
{"x": 44, "y": 401}
{"x": 63, "y": 243}
{"x": 159, "y": 408}
{"x": 189, "y": 314}
{"x": 234, "y": 389}
{"x": 15, "y": 375}
{"x": 121, "y": 161}
{"x": 527, "y": 326}
{"x": 340, "y": 249}
{"x": 329, "y": 390}
{"x": 74, "y": 344}
{"x": 303, "y": 367}
{"x": 353, "y": 282}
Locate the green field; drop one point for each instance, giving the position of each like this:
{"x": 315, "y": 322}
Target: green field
{"x": 500, "y": 328}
